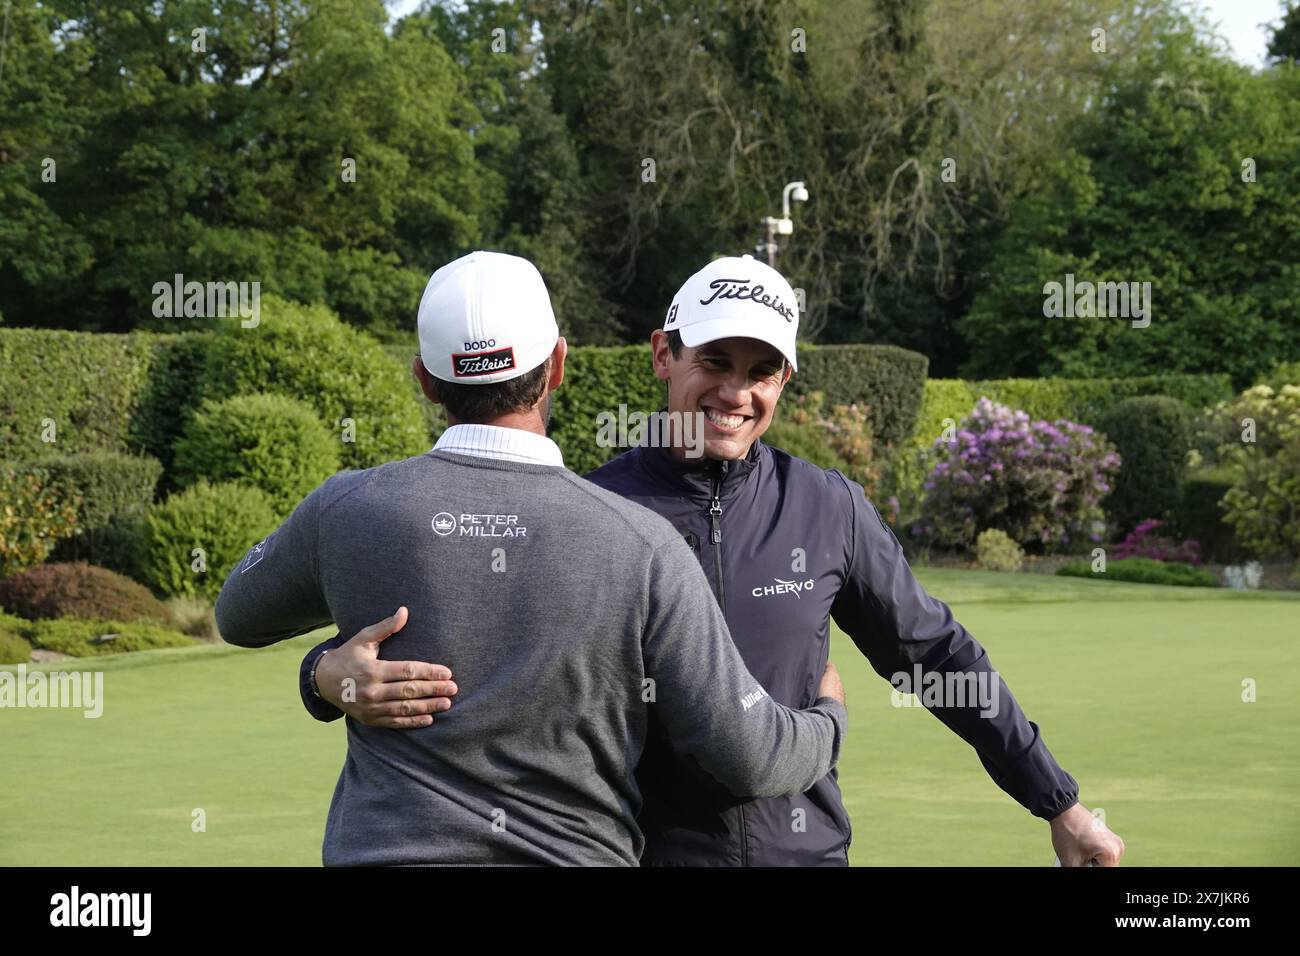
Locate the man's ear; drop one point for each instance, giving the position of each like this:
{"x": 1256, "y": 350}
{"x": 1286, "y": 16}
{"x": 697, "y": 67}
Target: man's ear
{"x": 660, "y": 353}
{"x": 428, "y": 384}
{"x": 558, "y": 355}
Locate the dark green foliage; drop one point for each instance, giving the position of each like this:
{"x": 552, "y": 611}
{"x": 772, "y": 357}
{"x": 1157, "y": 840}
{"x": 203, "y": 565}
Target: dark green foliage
{"x": 1153, "y": 435}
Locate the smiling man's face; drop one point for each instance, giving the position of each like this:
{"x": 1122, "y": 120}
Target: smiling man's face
{"x": 734, "y": 382}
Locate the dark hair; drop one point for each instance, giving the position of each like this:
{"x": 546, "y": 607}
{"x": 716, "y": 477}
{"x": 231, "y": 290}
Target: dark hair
{"x": 475, "y": 404}
{"x": 675, "y": 346}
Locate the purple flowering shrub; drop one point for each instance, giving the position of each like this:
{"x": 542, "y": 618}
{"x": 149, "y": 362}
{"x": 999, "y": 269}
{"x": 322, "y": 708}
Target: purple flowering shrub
{"x": 1142, "y": 542}
{"x": 1040, "y": 482}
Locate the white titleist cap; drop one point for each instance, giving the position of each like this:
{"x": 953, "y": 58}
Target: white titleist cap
{"x": 486, "y": 318}
{"x": 736, "y": 297}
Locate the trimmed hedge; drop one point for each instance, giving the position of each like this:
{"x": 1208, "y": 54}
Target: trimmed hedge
{"x": 1153, "y": 434}
{"x": 1085, "y": 400}
{"x": 887, "y": 379}
{"x": 1143, "y": 571}
{"x": 112, "y": 491}
{"x": 79, "y": 590}
{"x": 167, "y": 401}
{"x": 599, "y": 379}
{"x": 88, "y": 384}
{"x": 270, "y": 442}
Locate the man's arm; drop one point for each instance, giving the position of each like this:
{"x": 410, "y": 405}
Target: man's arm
{"x": 712, "y": 708}
{"x": 898, "y": 626}
{"x": 274, "y": 593}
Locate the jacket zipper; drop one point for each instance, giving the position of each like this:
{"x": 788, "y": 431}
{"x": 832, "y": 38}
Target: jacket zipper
{"x": 715, "y": 527}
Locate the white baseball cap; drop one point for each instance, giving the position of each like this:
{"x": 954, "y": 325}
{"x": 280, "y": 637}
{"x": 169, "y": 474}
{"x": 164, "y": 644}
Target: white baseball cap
{"x": 736, "y": 297}
{"x": 485, "y": 318}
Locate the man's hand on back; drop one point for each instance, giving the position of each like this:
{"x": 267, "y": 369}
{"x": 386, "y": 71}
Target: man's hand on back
{"x": 396, "y": 694}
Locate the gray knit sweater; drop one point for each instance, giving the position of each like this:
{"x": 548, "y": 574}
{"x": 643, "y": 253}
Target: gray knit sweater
{"x": 566, "y": 614}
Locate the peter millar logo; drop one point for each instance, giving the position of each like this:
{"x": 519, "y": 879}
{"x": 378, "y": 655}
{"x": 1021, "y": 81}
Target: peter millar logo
{"x": 741, "y": 289}
{"x": 478, "y": 526}
{"x": 783, "y": 587}
{"x": 471, "y": 364}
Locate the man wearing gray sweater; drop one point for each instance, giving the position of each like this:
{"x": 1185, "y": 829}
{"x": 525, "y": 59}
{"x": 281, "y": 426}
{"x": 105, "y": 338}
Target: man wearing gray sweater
{"x": 571, "y": 618}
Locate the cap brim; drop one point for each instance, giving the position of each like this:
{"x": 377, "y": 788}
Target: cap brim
{"x": 700, "y": 333}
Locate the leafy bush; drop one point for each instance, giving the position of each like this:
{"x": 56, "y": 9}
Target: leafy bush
{"x": 1041, "y": 483}
{"x": 79, "y": 590}
{"x": 269, "y": 442}
{"x": 81, "y": 638}
{"x": 32, "y": 519}
{"x": 1263, "y": 505}
{"x": 113, "y": 490}
{"x": 188, "y": 544}
{"x": 995, "y": 551}
{"x": 305, "y": 352}
{"x": 1199, "y": 516}
{"x": 1143, "y": 542}
{"x": 836, "y": 437}
{"x": 14, "y": 648}
{"x": 1153, "y": 435}
{"x": 435, "y": 419}
{"x": 1143, "y": 571}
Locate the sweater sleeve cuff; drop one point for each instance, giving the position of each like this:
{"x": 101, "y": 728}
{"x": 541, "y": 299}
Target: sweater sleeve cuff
{"x": 839, "y": 716}
{"x": 318, "y": 707}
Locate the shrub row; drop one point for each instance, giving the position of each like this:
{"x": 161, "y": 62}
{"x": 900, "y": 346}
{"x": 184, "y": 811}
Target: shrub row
{"x": 1085, "y": 401}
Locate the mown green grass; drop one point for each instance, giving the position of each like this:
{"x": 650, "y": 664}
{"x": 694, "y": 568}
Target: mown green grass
{"x": 1137, "y": 690}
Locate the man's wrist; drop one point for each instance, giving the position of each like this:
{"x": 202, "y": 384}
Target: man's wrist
{"x": 315, "y": 688}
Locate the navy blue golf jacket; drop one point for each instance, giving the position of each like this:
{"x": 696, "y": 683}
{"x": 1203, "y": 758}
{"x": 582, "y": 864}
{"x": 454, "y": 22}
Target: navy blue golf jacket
{"x": 787, "y": 547}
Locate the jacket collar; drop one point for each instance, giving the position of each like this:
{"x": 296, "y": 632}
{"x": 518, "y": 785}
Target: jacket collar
{"x": 695, "y": 476}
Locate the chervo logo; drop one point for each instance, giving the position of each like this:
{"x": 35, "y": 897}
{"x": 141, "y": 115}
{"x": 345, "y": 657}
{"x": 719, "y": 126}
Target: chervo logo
{"x": 783, "y": 587}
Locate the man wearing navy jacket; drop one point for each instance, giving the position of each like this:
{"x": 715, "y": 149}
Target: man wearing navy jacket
{"x": 787, "y": 547}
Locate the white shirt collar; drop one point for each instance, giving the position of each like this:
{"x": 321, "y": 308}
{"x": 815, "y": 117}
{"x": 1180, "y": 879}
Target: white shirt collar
{"x": 493, "y": 441}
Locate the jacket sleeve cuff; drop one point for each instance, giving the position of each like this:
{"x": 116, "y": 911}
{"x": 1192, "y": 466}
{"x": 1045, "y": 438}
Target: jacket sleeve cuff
{"x": 1039, "y": 784}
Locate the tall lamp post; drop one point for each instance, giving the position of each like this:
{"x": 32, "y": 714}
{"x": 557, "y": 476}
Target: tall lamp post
{"x": 783, "y": 226}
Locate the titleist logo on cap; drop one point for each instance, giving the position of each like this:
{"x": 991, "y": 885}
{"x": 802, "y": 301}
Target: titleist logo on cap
{"x": 482, "y": 363}
{"x": 741, "y": 289}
